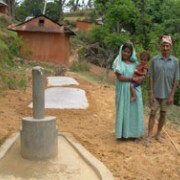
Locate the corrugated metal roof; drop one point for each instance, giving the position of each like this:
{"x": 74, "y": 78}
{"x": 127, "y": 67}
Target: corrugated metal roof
{"x": 24, "y": 27}
{"x": 2, "y": 2}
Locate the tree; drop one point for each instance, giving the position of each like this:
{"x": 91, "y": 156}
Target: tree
{"x": 11, "y": 7}
{"x": 122, "y": 15}
{"x": 89, "y": 4}
{"x": 101, "y": 7}
{"x": 54, "y": 10}
{"x": 60, "y": 4}
{"x": 73, "y": 5}
{"x": 119, "y": 23}
{"x": 29, "y": 8}
{"x": 143, "y": 24}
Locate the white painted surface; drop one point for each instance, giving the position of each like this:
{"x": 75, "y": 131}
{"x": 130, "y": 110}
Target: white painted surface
{"x": 65, "y": 98}
{"x": 61, "y": 81}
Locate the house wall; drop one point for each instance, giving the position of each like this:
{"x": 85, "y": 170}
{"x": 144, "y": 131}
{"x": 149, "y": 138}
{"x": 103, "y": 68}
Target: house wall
{"x": 82, "y": 25}
{"x": 48, "y": 47}
{"x": 4, "y": 10}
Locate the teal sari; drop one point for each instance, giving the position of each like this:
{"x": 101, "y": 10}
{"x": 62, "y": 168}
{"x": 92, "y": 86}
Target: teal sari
{"x": 129, "y": 115}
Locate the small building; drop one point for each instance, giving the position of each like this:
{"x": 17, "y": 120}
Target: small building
{"x": 3, "y": 7}
{"x": 83, "y": 25}
{"x": 44, "y": 40}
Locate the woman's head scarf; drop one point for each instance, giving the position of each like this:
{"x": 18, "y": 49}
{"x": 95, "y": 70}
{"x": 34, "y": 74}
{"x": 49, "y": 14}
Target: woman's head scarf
{"x": 117, "y": 64}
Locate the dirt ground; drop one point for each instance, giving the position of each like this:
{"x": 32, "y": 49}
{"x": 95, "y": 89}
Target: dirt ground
{"x": 94, "y": 129}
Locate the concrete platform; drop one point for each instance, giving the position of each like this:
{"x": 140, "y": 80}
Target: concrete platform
{"x": 61, "y": 81}
{"x": 65, "y": 98}
{"x": 74, "y": 162}
{"x": 59, "y": 97}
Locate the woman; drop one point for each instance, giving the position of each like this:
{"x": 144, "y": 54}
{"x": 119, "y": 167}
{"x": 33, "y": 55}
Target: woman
{"x": 129, "y": 115}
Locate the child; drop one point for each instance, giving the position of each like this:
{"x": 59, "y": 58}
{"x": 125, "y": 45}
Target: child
{"x": 141, "y": 70}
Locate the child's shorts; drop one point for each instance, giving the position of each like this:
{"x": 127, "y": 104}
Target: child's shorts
{"x": 135, "y": 84}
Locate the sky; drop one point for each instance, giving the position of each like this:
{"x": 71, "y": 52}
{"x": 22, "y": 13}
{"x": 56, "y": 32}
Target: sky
{"x": 65, "y": 10}
{"x": 80, "y": 1}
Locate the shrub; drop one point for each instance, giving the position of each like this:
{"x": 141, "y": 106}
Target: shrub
{"x": 177, "y": 97}
{"x": 80, "y": 65}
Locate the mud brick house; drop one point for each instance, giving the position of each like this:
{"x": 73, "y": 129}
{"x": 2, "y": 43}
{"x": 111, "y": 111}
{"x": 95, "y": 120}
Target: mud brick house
{"x": 3, "y": 7}
{"x": 44, "y": 40}
{"x": 83, "y": 25}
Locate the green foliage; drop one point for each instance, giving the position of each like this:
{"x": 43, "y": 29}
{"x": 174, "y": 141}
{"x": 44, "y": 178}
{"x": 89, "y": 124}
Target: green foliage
{"x": 176, "y": 46}
{"x": 6, "y": 58}
{"x": 114, "y": 40}
{"x": 35, "y": 8}
{"x": 53, "y": 12}
{"x": 5, "y": 21}
{"x": 3, "y": 46}
{"x": 29, "y": 8}
{"x": 105, "y": 38}
{"x": 91, "y": 77}
{"x": 29, "y": 52}
{"x": 93, "y": 15}
{"x": 145, "y": 90}
{"x": 21, "y": 13}
{"x": 122, "y": 15}
{"x": 11, "y": 83}
{"x": 22, "y": 83}
{"x": 14, "y": 44}
{"x": 13, "y": 78}
{"x": 177, "y": 96}
{"x": 79, "y": 40}
{"x": 79, "y": 13}
{"x": 173, "y": 114}
{"x": 81, "y": 65}
{"x": 69, "y": 23}
{"x": 97, "y": 34}
{"x": 9, "y": 48}
{"x": 83, "y": 37}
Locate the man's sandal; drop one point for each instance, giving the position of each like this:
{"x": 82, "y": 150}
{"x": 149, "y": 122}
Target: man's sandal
{"x": 159, "y": 139}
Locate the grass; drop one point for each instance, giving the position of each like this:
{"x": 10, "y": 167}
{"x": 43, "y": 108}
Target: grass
{"x": 90, "y": 77}
{"x": 73, "y": 18}
{"x": 173, "y": 116}
{"x": 94, "y": 78}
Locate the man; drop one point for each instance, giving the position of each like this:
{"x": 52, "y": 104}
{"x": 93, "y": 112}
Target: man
{"x": 164, "y": 76}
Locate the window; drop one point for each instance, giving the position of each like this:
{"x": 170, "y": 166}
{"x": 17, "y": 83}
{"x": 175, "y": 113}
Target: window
{"x": 41, "y": 22}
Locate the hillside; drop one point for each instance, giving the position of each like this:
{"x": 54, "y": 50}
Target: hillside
{"x": 94, "y": 129}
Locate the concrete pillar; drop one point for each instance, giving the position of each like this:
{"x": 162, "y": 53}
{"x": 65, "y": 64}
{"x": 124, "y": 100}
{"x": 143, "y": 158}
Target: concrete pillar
{"x": 38, "y": 92}
{"x": 39, "y": 138}
{"x": 39, "y": 134}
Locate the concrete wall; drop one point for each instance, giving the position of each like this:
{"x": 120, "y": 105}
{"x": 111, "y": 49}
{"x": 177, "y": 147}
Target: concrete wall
{"x": 49, "y": 47}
